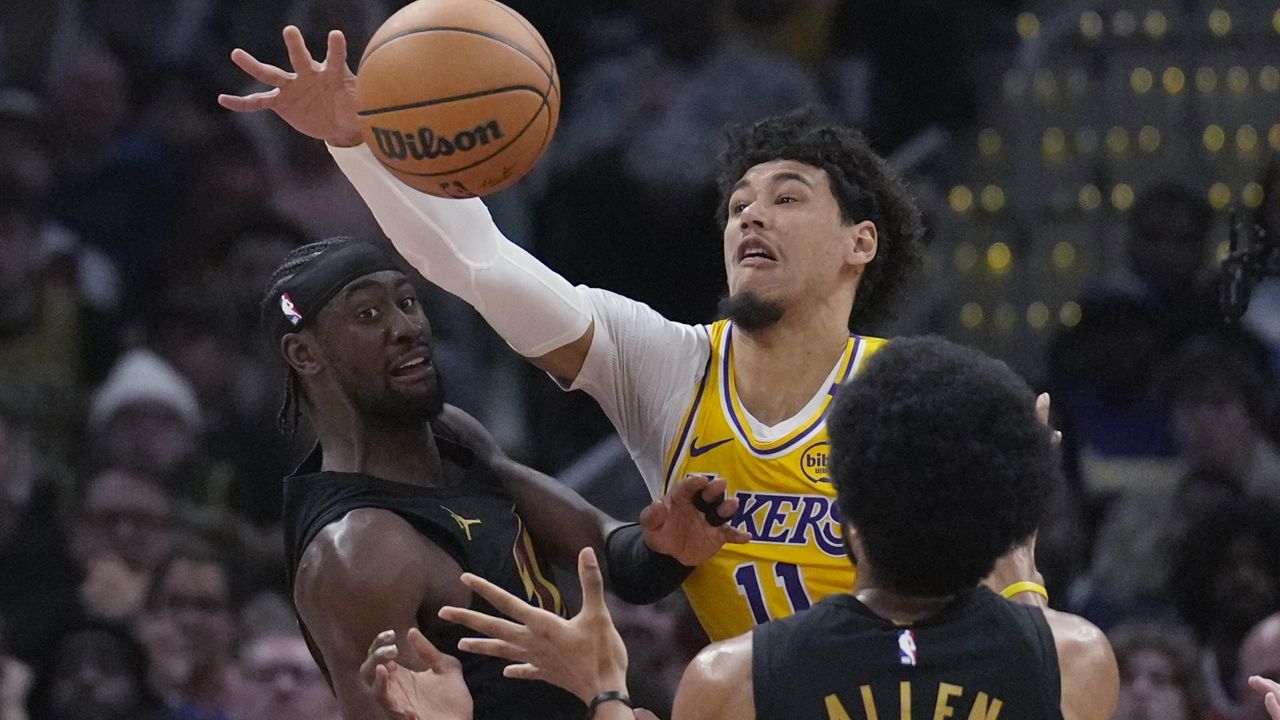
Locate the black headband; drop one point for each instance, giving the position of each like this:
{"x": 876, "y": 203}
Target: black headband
{"x": 303, "y": 296}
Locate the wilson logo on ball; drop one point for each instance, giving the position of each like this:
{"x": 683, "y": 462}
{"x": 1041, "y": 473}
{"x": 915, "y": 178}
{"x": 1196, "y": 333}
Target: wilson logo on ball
{"x": 426, "y": 145}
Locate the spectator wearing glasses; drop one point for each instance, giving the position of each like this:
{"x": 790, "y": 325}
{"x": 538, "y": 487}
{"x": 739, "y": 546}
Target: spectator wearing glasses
{"x": 189, "y": 628}
{"x": 281, "y": 681}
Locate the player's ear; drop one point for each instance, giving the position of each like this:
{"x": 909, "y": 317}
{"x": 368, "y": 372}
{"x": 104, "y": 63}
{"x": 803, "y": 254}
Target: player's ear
{"x": 861, "y": 242}
{"x": 852, "y": 542}
{"x": 299, "y": 352}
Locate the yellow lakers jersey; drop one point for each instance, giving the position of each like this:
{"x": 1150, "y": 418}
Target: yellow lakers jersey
{"x": 786, "y": 500}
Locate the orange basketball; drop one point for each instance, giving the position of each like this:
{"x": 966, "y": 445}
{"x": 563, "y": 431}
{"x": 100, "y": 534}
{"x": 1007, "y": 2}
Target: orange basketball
{"x": 458, "y": 98}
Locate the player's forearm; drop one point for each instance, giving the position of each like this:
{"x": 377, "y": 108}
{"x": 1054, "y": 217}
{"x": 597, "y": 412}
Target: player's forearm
{"x": 455, "y": 244}
{"x": 638, "y": 574}
{"x": 561, "y": 520}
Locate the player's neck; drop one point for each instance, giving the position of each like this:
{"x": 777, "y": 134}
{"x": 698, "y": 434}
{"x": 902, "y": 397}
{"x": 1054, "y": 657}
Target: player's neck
{"x": 400, "y": 453}
{"x": 778, "y": 370}
{"x": 893, "y": 605}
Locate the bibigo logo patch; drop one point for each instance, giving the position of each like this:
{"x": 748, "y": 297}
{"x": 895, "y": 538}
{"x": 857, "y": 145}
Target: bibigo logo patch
{"x": 815, "y": 462}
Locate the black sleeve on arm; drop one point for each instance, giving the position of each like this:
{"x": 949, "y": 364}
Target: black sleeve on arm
{"x": 638, "y": 574}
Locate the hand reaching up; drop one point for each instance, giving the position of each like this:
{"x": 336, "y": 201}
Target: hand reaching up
{"x": 584, "y": 655}
{"x": 436, "y": 693}
{"x": 675, "y": 525}
{"x": 318, "y": 99}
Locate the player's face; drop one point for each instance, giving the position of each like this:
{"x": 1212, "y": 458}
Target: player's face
{"x": 784, "y": 238}
{"x": 376, "y": 342}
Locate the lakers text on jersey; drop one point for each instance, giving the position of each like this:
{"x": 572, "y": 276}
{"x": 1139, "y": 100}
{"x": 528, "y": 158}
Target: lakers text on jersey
{"x": 786, "y": 501}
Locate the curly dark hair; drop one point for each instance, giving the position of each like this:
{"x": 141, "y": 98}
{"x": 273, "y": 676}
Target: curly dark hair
{"x": 865, "y": 187}
{"x": 939, "y": 463}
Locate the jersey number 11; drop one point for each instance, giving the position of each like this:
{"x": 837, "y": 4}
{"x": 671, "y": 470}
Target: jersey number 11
{"x": 786, "y": 575}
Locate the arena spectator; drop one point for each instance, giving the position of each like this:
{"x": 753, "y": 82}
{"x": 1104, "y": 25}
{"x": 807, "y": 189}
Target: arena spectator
{"x": 281, "y": 680}
{"x": 97, "y": 672}
{"x": 1221, "y": 399}
{"x": 34, "y": 562}
{"x": 189, "y": 629}
{"x": 1227, "y": 580}
{"x": 145, "y": 418}
{"x": 1115, "y": 427}
{"x": 1158, "y": 675}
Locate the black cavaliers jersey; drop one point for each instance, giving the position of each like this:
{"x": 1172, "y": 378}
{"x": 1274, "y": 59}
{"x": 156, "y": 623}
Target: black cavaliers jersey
{"x": 475, "y": 522}
{"x": 982, "y": 657}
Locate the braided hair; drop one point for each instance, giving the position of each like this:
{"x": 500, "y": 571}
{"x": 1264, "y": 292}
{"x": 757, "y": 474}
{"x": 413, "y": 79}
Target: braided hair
{"x": 269, "y": 314}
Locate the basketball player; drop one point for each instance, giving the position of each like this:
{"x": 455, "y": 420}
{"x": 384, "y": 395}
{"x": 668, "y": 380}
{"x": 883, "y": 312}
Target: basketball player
{"x": 403, "y": 492}
{"x": 941, "y": 466}
{"x": 813, "y": 219}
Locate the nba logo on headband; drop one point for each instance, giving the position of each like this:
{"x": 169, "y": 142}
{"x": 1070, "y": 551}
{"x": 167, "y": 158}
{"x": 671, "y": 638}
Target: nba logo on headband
{"x": 290, "y": 311}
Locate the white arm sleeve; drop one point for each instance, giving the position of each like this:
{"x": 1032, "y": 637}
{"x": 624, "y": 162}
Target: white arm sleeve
{"x": 455, "y": 244}
{"x": 643, "y": 370}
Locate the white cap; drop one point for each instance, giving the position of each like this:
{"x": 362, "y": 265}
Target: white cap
{"x": 141, "y": 376}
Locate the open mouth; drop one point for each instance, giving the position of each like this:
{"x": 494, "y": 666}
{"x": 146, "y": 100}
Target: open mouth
{"x": 754, "y": 251}
{"x": 413, "y": 368}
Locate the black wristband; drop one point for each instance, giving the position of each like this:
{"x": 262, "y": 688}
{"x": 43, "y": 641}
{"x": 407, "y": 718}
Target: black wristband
{"x": 605, "y": 697}
{"x": 637, "y": 573}
{"x": 709, "y": 507}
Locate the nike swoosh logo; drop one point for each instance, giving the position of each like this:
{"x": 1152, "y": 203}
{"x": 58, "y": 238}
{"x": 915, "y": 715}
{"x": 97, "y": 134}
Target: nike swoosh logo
{"x": 695, "y": 451}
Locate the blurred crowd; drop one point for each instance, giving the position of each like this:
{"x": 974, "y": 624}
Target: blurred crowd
{"x": 140, "y": 455}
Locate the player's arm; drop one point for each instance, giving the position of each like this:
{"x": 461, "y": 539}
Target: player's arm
{"x": 717, "y": 685}
{"x": 645, "y": 561}
{"x": 360, "y": 576}
{"x": 453, "y": 243}
{"x": 1090, "y": 676}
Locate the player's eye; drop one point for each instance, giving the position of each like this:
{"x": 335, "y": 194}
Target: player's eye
{"x": 408, "y": 302}
{"x": 737, "y": 207}
{"x": 785, "y": 199}
{"x": 369, "y": 313}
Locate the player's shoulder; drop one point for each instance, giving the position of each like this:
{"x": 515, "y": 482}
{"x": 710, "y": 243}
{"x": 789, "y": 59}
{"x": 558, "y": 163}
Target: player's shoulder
{"x": 364, "y": 550}
{"x": 1074, "y": 633}
{"x": 1090, "y": 676}
{"x": 465, "y": 430}
{"x": 363, "y": 572}
{"x": 718, "y": 681}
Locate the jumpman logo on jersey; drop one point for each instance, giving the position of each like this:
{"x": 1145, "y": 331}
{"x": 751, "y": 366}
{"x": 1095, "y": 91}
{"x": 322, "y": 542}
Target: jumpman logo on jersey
{"x": 463, "y": 523}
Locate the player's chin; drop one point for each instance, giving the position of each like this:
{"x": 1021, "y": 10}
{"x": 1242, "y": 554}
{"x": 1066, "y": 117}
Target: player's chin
{"x": 415, "y": 403}
{"x": 762, "y": 285}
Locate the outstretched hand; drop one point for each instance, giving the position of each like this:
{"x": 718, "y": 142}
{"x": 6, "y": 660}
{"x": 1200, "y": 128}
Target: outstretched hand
{"x": 674, "y": 525}
{"x": 318, "y": 99}
{"x": 436, "y": 693}
{"x": 1270, "y": 692}
{"x": 584, "y": 655}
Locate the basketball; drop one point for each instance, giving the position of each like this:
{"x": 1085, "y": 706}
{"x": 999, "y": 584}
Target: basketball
{"x": 457, "y": 98}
